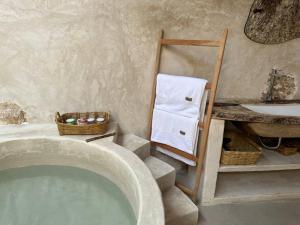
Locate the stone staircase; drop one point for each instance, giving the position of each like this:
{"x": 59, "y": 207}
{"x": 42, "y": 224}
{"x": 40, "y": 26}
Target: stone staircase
{"x": 179, "y": 209}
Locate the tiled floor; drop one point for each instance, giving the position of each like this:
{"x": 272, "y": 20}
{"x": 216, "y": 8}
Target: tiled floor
{"x": 285, "y": 212}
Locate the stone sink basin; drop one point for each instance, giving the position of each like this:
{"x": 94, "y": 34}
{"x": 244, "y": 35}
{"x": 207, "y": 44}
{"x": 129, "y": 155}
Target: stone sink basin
{"x": 274, "y": 129}
{"x": 275, "y": 109}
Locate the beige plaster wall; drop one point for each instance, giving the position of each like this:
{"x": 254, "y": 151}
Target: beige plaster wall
{"x": 82, "y": 55}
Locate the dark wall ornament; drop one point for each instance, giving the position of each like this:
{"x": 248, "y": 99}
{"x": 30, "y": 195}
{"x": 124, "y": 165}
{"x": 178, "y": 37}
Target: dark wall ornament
{"x": 273, "y": 21}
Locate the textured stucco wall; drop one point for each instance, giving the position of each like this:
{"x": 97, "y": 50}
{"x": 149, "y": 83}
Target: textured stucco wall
{"x": 82, "y": 55}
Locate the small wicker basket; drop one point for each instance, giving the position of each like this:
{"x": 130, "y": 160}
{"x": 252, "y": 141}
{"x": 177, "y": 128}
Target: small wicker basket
{"x": 287, "y": 150}
{"x": 96, "y": 128}
{"x": 240, "y": 150}
{"x": 289, "y": 146}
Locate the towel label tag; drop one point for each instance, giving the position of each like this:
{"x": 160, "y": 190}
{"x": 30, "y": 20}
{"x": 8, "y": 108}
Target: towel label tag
{"x": 188, "y": 99}
{"x": 182, "y": 132}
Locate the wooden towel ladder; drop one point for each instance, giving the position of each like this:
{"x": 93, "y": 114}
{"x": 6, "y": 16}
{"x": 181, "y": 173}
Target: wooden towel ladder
{"x": 212, "y": 87}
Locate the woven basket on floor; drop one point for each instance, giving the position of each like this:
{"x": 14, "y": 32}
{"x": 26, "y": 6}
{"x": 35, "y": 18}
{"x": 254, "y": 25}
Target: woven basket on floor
{"x": 240, "y": 150}
{"x": 289, "y": 146}
{"x": 287, "y": 150}
{"x": 67, "y": 129}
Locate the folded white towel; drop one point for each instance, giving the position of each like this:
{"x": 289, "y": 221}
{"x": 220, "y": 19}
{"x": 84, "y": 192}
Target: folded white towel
{"x": 179, "y": 94}
{"x": 175, "y": 130}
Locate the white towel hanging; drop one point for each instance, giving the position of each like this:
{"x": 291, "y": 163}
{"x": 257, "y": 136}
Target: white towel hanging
{"x": 180, "y": 95}
{"x": 175, "y": 130}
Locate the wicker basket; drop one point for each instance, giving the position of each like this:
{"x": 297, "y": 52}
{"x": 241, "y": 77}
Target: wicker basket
{"x": 67, "y": 129}
{"x": 240, "y": 150}
{"x": 289, "y": 146}
{"x": 287, "y": 150}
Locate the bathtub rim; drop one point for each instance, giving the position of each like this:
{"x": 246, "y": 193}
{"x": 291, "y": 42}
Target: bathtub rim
{"x": 150, "y": 209}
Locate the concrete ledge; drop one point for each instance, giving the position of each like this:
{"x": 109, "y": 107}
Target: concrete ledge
{"x": 178, "y": 165}
{"x": 163, "y": 173}
{"x": 138, "y": 145}
{"x": 11, "y": 132}
{"x": 179, "y": 209}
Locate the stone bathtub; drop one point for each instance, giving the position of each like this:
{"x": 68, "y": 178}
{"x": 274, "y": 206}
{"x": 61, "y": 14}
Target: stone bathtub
{"x": 107, "y": 159}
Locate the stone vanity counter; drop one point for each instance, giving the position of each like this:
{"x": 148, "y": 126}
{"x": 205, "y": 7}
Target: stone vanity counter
{"x": 235, "y": 112}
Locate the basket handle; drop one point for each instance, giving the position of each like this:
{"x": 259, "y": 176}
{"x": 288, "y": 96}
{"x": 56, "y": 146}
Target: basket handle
{"x": 57, "y": 116}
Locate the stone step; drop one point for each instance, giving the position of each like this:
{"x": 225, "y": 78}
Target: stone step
{"x": 138, "y": 145}
{"x": 179, "y": 209}
{"x": 163, "y": 173}
{"x": 178, "y": 165}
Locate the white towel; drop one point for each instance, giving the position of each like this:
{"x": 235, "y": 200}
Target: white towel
{"x": 180, "y": 95}
{"x": 175, "y": 130}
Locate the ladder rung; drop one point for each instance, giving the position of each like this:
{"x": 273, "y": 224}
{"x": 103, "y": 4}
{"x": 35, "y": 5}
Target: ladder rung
{"x": 177, "y": 151}
{"x": 210, "y": 43}
{"x": 208, "y": 86}
{"x": 201, "y": 125}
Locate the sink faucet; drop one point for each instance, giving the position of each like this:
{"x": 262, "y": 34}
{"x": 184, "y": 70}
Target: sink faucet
{"x": 269, "y": 94}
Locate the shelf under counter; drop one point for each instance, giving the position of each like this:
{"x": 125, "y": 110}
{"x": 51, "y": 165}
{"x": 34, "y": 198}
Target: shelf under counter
{"x": 257, "y": 186}
{"x": 268, "y": 161}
